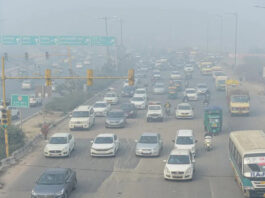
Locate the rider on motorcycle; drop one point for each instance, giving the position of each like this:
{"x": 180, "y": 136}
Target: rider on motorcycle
{"x": 167, "y": 107}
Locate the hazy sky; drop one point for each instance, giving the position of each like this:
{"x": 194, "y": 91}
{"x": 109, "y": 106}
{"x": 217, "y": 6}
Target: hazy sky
{"x": 158, "y": 23}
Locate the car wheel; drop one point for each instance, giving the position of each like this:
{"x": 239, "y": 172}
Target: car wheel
{"x": 65, "y": 195}
{"x": 69, "y": 153}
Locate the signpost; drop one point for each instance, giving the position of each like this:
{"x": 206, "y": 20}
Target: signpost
{"x": 58, "y": 40}
{"x": 20, "y": 101}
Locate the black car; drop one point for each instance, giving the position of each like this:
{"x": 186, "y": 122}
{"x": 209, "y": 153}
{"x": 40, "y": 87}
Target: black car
{"x": 55, "y": 182}
{"x": 128, "y": 91}
{"x": 116, "y": 118}
{"x": 129, "y": 110}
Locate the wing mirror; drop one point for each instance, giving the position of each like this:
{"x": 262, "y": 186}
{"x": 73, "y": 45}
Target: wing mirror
{"x": 91, "y": 141}
{"x": 165, "y": 161}
{"x": 135, "y": 141}
{"x": 196, "y": 141}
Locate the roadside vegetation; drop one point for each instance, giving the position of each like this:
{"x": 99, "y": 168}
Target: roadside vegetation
{"x": 15, "y": 139}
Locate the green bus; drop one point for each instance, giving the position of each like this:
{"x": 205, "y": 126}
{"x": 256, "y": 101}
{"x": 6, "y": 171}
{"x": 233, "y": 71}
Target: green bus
{"x": 247, "y": 156}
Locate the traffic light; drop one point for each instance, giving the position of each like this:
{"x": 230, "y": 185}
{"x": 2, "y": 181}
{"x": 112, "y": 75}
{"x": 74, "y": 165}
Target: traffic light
{"x": 6, "y": 56}
{"x": 89, "y": 77}
{"x": 4, "y": 117}
{"x": 47, "y": 55}
{"x": 131, "y": 77}
{"x": 26, "y": 55}
{"x": 9, "y": 117}
{"x": 48, "y": 80}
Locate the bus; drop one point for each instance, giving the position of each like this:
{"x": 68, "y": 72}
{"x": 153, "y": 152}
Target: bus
{"x": 247, "y": 156}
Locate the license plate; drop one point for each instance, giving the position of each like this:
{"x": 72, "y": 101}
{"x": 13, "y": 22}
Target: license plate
{"x": 264, "y": 195}
{"x": 262, "y": 182}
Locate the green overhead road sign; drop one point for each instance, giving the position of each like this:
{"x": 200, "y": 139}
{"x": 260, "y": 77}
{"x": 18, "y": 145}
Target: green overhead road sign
{"x": 19, "y": 101}
{"x": 59, "y": 40}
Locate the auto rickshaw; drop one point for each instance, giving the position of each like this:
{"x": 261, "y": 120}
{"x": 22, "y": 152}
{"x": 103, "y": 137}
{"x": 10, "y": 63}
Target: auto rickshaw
{"x": 213, "y": 120}
{"x": 172, "y": 92}
{"x": 177, "y": 84}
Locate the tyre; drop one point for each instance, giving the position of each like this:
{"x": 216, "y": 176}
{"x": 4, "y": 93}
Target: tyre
{"x": 65, "y": 195}
{"x": 75, "y": 184}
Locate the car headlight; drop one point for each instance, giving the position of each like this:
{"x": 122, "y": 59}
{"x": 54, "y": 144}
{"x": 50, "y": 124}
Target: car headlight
{"x": 156, "y": 149}
{"x": 107, "y": 121}
{"x": 33, "y": 193}
{"x": 60, "y": 193}
{"x": 167, "y": 170}
{"x": 189, "y": 171}
{"x": 65, "y": 149}
{"x": 46, "y": 149}
{"x": 121, "y": 121}
{"x": 193, "y": 149}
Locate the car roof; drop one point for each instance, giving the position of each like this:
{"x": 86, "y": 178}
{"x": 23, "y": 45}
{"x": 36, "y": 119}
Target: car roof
{"x": 101, "y": 102}
{"x": 190, "y": 89}
{"x": 60, "y": 135}
{"x": 180, "y": 152}
{"x": 83, "y": 108}
{"x": 116, "y": 110}
{"x": 185, "y": 132}
{"x": 105, "y": 135}
{"x": 184, "y": 104}
{"x": 149, "y": 134}
{"x": 56, "y": 170}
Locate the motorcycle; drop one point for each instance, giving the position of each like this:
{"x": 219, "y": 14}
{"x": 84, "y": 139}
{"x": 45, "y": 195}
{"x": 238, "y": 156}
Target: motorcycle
{"x": 208, "y": 143}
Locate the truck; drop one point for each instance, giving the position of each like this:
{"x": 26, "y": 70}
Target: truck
{"x": 220, "y": 83}
{"x": 238, "y": 100}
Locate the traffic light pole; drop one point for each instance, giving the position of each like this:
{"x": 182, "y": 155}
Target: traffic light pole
{"x": 4, "y": 104}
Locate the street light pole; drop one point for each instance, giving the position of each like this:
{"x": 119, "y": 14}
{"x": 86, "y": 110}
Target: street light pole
{"x": 221, "y": 32}
{"x": 107, "y": 34}
{"x": 121, "y": 26}
{"x": 236, "y": 35}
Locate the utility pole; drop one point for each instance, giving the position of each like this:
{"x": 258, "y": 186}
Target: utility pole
{"x": 4, "y": 105}
{"x": 121, "y": 29}
{"x": 221, "y": 32}
{"x": 236, "y": 35}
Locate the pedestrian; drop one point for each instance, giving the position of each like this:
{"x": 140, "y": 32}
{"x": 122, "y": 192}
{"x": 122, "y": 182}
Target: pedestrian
{"x": 45, "y": 130}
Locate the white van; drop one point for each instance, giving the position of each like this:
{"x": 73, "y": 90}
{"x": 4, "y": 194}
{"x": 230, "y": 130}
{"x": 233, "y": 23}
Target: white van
{"x": 82, "y": 117}
{"x": 185, "y": 140}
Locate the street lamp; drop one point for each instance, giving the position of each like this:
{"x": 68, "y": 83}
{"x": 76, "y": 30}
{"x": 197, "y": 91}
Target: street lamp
{"x": 221, "y": 32}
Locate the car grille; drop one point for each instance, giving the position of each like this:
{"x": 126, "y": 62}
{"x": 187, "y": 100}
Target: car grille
{"x": 45, "y": 196}
{"x": 99, "y": 149}
{"x": 177, "y": 172}
{"x": 259, "y": 184}
{"x": 55, "y": 151}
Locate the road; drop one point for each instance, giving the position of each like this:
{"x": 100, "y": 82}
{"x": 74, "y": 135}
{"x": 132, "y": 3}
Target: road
{"x": 129, "y": 176}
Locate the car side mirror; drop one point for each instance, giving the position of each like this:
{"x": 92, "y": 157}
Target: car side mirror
{"x": 193, "y": 161}
{"x": 165, "y": 161}
{"x": 136, "y": 141}
{"x": 173, "y": 141}
{"x": 91, "y": 141}
{"x": 70, "y": 115}
{"x": 196, "y": 141}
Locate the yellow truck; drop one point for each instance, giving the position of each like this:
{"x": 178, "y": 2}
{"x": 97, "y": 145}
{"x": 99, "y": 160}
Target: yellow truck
{"x": 238, "y": 98}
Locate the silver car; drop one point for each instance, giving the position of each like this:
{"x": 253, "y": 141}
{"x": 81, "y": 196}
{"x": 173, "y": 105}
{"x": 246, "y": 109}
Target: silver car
{"x": 150, "y": 144}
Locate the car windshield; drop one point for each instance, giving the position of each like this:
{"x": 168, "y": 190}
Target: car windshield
{"x": 254, "y": 166}
{"x": 240, "y": 99}
{"x": 154, "y": 107}
{"x": 110, "y": 95}
{"x": 179, "y": 159}
{"x": 175, "y": 73}
{"x": 137, "y": 99}
{"x": 100, "y": 105}
{"x": 127, "y": 106}
{"x": 184, "y": 140}
{"x": 184, "y": 107}
{"x": 140, "y": 92}
{"x": 51, "y": 179}
{"x": 148, "y": 139}
{"x": 115, "y": 114}
{"x": 104, "y": 140}
{"x": 190, "y": 91}
{"x": 58, "y": 140}
{"x": 80, "y": 114}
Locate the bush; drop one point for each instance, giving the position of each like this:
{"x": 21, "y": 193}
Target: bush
{"x": 15, "y": 140}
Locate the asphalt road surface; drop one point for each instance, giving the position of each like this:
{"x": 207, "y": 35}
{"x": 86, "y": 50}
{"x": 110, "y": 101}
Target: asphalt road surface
{"x": 129, "y": 176}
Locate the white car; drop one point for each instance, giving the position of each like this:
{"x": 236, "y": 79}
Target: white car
{"x": 217, "y": 74}
{"x": 79, "y": 66}
{"x": 159, "y": 88}
{"x": 202, "y": 88}
{"x": 111, "y": 98}
{"x": 191, "y": 94}
{"x": 175, "y": 75}
{"x": 60, "y": 145}
{"x": 140, "y": 92}
{"x": 34, "y": 101}
{"x": 105, "y": 145}
{"x": 180, "y": 165}
{"x": 184, "y": 110}
{"x": 101, "y": 108}
{"x": 154, "y": 112}
{"x": 188, "y": 68}
{"x": 139, "y": 102}
{"x": 185, "y": 140}
{"x": 26, "y": 85}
